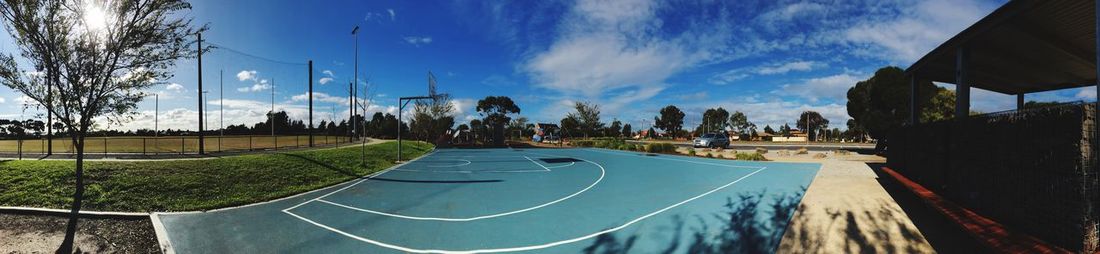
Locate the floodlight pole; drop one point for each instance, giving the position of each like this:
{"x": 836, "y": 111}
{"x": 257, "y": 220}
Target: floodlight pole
{"x": 201, "y": 112}
{"x": 271, "y": 115}
{"x": 355, "y": 84}
{"x": 310, "y": 129}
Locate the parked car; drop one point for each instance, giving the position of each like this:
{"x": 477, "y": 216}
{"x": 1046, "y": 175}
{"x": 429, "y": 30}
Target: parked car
{"x": 711, "y": 140}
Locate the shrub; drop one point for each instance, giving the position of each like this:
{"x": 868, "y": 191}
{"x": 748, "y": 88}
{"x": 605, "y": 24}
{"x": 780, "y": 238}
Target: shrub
{"x": 709, "y": 156}
{"x": 691, "y": 152}
{"x": 841, "y": 152}
{"x": 803, "y": 151}
{"x": 819, "y": 156}
{"x": 720, "y": 156}
{"x": 761, "y": 150}
{"x": 584, "y": 143}
{"x": 751, "y": 157}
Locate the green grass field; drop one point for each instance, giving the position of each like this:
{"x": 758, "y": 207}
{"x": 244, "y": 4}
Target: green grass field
{"x": 188, "y": 185}
{"x": 171, "y": 144}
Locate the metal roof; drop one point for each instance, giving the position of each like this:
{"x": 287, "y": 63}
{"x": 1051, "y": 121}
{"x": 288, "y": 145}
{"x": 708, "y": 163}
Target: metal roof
{"x": 1025, "y": 46}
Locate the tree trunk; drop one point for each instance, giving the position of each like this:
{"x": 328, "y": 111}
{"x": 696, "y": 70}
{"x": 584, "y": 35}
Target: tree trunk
{"x": 78, "y": 196}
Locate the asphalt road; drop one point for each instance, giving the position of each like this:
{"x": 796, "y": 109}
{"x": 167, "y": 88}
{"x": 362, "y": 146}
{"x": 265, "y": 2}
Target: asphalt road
{"x": 780, "y": 146}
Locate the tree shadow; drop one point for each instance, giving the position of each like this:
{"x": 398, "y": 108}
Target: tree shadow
{"x": 751, "y": 222}
{"x": 347, "y": 172}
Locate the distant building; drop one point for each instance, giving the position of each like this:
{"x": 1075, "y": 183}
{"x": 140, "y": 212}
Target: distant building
{"x": 795, "y": 136}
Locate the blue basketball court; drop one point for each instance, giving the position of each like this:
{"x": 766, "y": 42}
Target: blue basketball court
{"x": 519, "y": 200}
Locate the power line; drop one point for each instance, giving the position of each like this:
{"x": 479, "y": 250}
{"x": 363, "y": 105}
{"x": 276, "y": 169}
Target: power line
{"x": 218, "y": 46}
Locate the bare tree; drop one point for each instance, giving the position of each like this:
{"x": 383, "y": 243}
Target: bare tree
{"x": 91, "y": 60}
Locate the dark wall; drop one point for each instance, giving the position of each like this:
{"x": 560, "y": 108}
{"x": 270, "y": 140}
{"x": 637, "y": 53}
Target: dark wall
{"x": 1033, "y": 171}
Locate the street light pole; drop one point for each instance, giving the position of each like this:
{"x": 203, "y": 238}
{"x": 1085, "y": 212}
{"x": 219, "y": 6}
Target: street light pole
{"x": 355, "y": 83}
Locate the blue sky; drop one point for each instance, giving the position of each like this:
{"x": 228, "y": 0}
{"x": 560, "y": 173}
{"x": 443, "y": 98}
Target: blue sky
{"x": 769, "y": 59}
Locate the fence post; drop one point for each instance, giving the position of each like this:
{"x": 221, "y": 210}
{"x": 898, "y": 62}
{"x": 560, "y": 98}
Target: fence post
{"x": 104, "y": 147}
{"x": 249, "y": 143}
{"x": 297, "y": 143}
{"x": 183, "y": 144}
{"x": 143, "y": 149}
{"x": 276, "y": 140}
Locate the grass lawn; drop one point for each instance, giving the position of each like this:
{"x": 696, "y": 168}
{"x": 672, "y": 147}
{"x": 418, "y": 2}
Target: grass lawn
{"x": 188, "y": 185}
{"x": 169, "y": 144}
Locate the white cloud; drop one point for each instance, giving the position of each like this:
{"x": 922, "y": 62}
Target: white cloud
{"x": 259, "y": 86}
{"x": 328, "y": 72}
{"x": 787, "y": 67}
{"x": 323, "y": 97}
{"x": 2, "y": 100}
{"x": 246, "y": 75}
{"x": 174, "y": 87}
{"x": 324, "y": 80}
{"x": 833, "y": 87}
{"x": 393, "y": 15}
{"x": 910, "y": 34}
{"x": 768, "y": 69}
{"x": 417, "y": 40}
{"x": 1087, "y": 93}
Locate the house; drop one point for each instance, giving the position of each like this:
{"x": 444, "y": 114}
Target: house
{"x": 794, "y": 136}
{"x": 552, "y": 131}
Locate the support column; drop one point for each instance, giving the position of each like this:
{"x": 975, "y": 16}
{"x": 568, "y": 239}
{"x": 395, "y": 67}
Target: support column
{"x": 914, "y": 104}
{"x": 962, "y": 83}
{"x": 1019, "y": 102}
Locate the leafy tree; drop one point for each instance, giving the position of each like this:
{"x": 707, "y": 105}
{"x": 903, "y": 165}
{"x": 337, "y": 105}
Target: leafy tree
{"x": 741, "y": 124}
{"x": 518, "y": 127}
{"x": 627, "y": 132}
{"x": 881, "y": 104}
{"x": 1038, "y": 104}
{"x": 768, "y": 129}
{"x": 432, "y": 118}
{"x": 813, "y": 123}
{"x": 495, "y": 110}
{"x": 785, "y": 130}
{"x": 82, "y": 70}
{"x": 587, "y": 117}
{"x": 615, "y": 129}
{"x": 714, "y": 120}
{"x": 670, "y": 121}
{"x": 570, "y": 126}
{"x": 479, "y": 130}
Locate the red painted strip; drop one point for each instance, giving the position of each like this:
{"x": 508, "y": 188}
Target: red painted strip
{"x": 986, "y": 231}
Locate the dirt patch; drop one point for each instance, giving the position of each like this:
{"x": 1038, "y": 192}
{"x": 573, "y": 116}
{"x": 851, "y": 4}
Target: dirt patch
{"x": 23, "y": 233}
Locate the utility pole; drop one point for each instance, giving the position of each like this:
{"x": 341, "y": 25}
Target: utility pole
{"x": 351, "y": 109}
{"x": 221, "y": 108}
{"x": 271, "y": 116}
{"x": 156, "y": 115}
{"x": 201, "y": 112}
{"x": 49, "y": 120}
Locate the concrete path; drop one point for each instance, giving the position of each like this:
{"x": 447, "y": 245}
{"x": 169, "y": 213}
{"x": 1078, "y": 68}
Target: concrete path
{"x": 846, "y": 210}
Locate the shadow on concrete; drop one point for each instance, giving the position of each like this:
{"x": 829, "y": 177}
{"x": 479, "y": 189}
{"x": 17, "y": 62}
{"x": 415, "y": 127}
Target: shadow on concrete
{"x": 941, "y": 233}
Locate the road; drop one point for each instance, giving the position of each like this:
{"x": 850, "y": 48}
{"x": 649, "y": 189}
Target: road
{"x": 781, "y": 146}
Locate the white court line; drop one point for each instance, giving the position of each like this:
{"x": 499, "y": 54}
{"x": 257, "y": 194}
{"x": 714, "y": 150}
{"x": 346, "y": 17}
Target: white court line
{"x": 603, "y": 172}
{"x": 536, "y": 163}
{"x": 471, "y": 171}
{"x": 671, "y": 159}
{"x": 562, "y": 166}
{"x": 524, "y": 248}
{"x": 451, "y": 166}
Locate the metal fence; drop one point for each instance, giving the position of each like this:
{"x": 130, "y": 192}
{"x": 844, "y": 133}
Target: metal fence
{"x": 167, "y": 144}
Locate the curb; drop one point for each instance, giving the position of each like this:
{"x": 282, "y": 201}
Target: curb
{"x": 65, "y": 212}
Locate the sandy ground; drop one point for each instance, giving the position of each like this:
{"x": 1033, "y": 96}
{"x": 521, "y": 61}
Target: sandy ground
{"x": 21, "y": 233}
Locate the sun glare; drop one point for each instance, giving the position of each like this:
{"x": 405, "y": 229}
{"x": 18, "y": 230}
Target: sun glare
{"x": 95, "y": 18}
